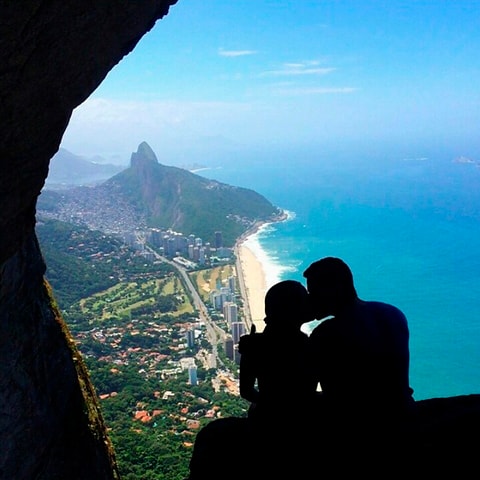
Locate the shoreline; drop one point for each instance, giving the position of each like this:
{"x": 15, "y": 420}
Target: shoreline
{"x": 255, "y": 287}
{"x": 252, "y": 276}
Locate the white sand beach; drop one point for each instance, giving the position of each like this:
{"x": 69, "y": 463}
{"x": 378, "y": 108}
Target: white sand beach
{"x": 256, "y": 273}
{"x": 255, "y": 285}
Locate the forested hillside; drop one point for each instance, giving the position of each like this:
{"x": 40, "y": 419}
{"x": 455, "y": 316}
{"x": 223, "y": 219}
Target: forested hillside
{"x": 129, "y": 317}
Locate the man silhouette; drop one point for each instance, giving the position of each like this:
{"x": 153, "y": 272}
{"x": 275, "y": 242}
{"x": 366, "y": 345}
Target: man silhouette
{"x": 360, "y": 356}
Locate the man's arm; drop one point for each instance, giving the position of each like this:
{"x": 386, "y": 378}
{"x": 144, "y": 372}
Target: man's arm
{"x": 399, "y": 338}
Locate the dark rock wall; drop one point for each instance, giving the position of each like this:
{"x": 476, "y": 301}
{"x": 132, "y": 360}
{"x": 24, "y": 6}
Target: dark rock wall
{"x": 53, "y": 54}
{"x": 50, "y": 424}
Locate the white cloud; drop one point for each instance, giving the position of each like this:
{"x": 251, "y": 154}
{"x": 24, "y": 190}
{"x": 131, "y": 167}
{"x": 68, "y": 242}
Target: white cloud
{"x": 111, "y": 112}
{"x": 307, "y": 63}
{"x": 314, "y": 90}
{"x": 301, "y": 68}
{"x": 111, "y": 127}
{"x": 236, "y": 53}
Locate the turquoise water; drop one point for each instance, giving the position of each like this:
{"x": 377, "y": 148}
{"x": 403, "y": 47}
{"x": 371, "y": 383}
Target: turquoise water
{"x": 410, "y": 231}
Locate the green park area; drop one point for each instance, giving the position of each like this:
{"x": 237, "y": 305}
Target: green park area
{"x": 211, "y": 279}
{"x": 128, "y": 298}
{"x": 153, "y": 296}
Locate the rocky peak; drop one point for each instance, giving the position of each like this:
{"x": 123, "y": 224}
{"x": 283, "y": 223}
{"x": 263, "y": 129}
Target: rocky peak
{"x": 144, "y": 156}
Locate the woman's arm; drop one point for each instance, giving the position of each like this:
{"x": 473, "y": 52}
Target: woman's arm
{"x": 248, "y": 375}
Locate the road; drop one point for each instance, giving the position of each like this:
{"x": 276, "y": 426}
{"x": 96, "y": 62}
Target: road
{"x": 215, "y": 334}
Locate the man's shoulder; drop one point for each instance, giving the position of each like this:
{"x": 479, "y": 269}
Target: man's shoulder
{"x": 383, "y": 307}
{"x": 388, "y": 312}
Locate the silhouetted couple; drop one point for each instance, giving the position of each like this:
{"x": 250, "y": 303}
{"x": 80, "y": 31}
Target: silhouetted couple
{"x": 358, "y": 354}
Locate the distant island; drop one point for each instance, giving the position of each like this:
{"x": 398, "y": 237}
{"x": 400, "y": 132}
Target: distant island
{"x": 463, "y": 159}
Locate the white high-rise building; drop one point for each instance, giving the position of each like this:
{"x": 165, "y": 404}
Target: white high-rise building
{"x": 227, "y": 293}
{"x": 230, "y": 312}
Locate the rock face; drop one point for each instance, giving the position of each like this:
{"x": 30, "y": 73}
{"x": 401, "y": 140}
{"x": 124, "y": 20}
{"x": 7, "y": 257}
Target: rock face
{"x": 50, "y": 424}
{"x": 53, "y": 55}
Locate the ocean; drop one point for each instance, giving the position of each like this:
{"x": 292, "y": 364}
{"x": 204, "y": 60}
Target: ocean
{"x": 409, "y": 228}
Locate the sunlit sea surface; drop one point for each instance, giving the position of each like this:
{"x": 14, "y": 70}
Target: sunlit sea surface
{"x": 410, "y": 230}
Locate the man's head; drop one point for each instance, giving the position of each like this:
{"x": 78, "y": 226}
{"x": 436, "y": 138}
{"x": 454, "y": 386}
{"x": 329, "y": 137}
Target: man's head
{"x": 330, "y": 286}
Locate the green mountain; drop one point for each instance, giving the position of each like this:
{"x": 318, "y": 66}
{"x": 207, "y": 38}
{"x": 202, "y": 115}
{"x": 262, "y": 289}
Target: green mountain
{"x": 166, "y": 197}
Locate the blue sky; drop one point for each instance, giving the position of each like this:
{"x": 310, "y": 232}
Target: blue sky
{"x": 216, "y": 79}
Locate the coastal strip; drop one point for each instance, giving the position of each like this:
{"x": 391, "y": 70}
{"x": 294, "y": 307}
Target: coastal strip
{"x": 252, "y": 277}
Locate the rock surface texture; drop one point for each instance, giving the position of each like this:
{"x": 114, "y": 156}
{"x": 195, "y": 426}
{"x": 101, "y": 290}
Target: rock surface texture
{"x": 53, "y": 55}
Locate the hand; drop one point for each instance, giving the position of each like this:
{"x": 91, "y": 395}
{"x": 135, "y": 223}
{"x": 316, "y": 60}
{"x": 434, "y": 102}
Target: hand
{"x": 246, "y": 340}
